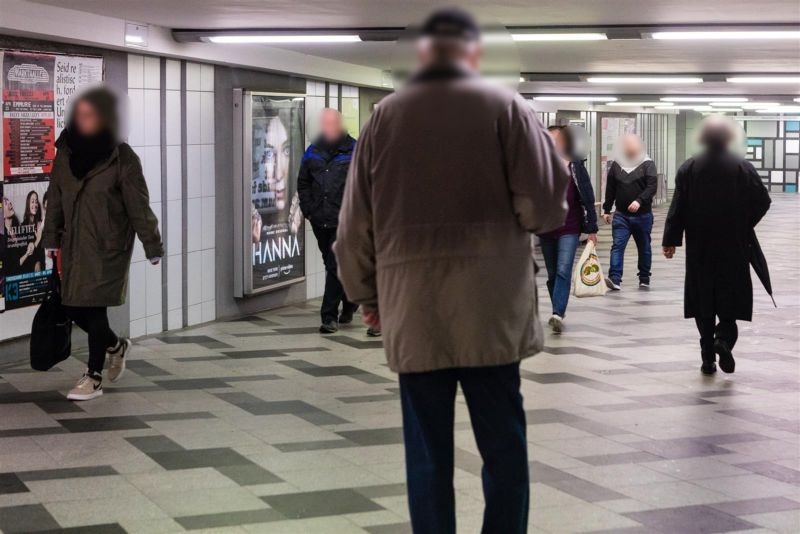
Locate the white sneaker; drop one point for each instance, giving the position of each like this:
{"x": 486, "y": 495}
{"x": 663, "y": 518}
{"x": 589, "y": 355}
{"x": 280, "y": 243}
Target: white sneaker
{"x": 87, "y": 388}
{"x": 612, "y": 285}
{"x": 556, "y": 322}
{"x": 116, "y": 360}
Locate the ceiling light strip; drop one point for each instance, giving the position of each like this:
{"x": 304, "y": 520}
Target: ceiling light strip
{"x": 725, "y": 35}
{"x": 539, "y": 37}
{"x": 575, "y": 98}
{"x": 283, "y": 39}
{"x": 644, "y": 79}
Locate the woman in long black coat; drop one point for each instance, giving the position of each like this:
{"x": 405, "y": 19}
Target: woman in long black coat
{"x": 719, "y": 198}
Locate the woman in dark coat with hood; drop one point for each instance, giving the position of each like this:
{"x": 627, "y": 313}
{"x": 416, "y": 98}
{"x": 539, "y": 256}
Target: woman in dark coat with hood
{"x": 97, "y": 201}
{"x": 719, "y": 198}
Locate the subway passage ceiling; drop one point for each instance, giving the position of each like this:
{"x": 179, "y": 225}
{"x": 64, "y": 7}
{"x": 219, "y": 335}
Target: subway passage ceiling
{"x": 613, "y": 56}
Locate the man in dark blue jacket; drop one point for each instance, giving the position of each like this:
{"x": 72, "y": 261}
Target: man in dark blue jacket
{"x": 320, "y": 185}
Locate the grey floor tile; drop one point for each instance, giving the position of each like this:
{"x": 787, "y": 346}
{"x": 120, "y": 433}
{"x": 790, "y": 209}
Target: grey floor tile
{"x": 103, "y": 424}
{"x": 228, "y": 519}
{"x": 690, "y": 519}
{"x": 26, "y": 518}
{"x": 11, "y": 483}
{"x": 190, "y": 459}
{"x": 321, "y": 503}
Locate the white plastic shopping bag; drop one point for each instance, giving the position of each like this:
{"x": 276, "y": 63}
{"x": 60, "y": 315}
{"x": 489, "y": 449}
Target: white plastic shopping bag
{"x": 588, "y": 278}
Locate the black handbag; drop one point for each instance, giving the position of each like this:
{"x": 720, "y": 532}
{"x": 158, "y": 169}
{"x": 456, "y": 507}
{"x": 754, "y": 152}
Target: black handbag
{"x": 51, "y": 332}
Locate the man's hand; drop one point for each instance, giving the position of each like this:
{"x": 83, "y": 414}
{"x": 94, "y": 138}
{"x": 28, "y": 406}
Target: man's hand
{"x": 607, "y": 218}
{"x": 634, "y": 206}
{"x": 155, "y": 261}
{"x": 593, "y": 238}
{"x": 668, "y": 252}
{"x": 372, "y": 317}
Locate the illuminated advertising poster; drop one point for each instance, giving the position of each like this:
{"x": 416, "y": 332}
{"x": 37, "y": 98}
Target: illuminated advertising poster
{"x": 276, "y": 139}
{"x": 34, "y": 97}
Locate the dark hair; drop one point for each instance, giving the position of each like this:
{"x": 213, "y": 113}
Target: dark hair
{"x": 452, "y": 23}
{"x": 566, "y": 135}
{"x": 30, "y": 218}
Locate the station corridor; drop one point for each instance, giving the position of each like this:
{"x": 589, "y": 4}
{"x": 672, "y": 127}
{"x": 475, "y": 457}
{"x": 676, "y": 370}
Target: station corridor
{"x": 263, "y": 425}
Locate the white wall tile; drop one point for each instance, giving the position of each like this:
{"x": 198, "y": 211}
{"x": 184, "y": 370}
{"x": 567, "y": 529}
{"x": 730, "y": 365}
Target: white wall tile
{"x": 173, "y": 117}
{"x": 194, "y": 225}
{"x": 138, "y": 328}
{"x": 174, "y": 282}
{"x": 207, "y": 77}
{"x": 208, "y": 310}
{"x": 136, "y": 117}
{"x": 152, "y": 72}
{"x": 174, "y": 176}
{"x": 194, "y": 315}
{"x": 138, "y": 251}
{"x": 194, "y": 278}
{"x": 174, "y": 227}
{"x": 153, "y": 275}
{"x": 209, "y": 282}
{"x": 207, "y": 118}
{"x": 173, "y": 74}
{"x": 194, "y": 171}
{"x": 154, "y": 324}
{"x": 207, "y": 235}
{"x": 137, "y": 289}
{"x": 207, "y": 169}
{"x": 135, "y": 71}
{"x": 152, "y": 117}
{"x": 192, "y": 76}
{"x": 193, "y": 117}
{"x": 175, "y": 319}
{"x": 151, "y": 164}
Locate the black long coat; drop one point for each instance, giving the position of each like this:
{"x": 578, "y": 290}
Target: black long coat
{"x": 718, "y": 199}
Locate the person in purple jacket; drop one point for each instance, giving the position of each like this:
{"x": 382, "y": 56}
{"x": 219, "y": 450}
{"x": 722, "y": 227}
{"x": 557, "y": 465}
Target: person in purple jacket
{"x": 559, "y": 245}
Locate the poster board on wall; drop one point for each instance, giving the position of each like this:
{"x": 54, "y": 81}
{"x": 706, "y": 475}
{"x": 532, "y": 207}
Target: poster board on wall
{"x": 35, "y": 93}
{"x": 269, "y": 141}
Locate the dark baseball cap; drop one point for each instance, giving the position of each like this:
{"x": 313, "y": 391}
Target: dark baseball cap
{"x": 451, "y": 22}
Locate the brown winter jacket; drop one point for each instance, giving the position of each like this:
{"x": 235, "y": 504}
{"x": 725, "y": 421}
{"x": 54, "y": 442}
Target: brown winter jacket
{"x": 449, "y": 177}
{"x": 93, "y": 221}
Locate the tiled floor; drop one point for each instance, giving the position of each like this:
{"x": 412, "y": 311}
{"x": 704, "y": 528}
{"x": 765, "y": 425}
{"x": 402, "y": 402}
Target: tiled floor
{"x": 261, "y": 425}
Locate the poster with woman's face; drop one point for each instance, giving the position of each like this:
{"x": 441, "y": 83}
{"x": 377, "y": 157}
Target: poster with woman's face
{"x": 277, "y": 139}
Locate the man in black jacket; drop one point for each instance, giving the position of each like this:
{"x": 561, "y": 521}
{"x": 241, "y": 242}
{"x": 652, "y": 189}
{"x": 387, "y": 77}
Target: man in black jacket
{"x": 320, "y": 185}
{"x": 631, "y": 185}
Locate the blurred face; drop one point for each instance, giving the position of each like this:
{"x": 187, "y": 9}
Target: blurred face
{"x": 33, "y": 204}
{"x": 330, "y": 125}
{"x": 87, "y": 119}
{"x": 632, "y": 147}
{"x": 277, "y": 152}
{"x": 431, "y": 51}
{"x": 558, "y": 139}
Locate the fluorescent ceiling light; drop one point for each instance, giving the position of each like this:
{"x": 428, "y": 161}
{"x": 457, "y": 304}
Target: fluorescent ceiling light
{"x": 529, "y": 37}
{"x": 134, "y": 39}
{"x": 283, "y": 39}
{"x": 763, "y": 79}
{"x": 780, "y": 109}
{"x": 758, "y": 105}
{"x": 727, "y": 35}
{"x": 797, "y": 99}
{"x": 724, "y": 110}
{"x": 577, "y": 98}
{"x": 640, "y": 104}
{"x": 704, "y": 99}
{"x": 694, "y": 107}
{"x": 644, "y": 79}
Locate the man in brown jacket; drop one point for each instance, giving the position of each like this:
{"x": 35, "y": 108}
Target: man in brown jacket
{"x": 450, "y": 176}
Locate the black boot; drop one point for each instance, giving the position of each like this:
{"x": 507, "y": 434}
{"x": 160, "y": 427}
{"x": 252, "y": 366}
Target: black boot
{"x": 726, "y": 361}
{"x": 709, "y": 366}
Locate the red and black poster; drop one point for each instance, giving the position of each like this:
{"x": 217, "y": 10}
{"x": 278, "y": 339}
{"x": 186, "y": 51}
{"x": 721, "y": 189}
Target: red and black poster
{"x": 34, "y": 96}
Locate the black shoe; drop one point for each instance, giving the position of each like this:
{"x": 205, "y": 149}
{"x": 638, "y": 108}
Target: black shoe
{"x": 373, "y": 332}
{"x": 346, "y": 317}
{"x": 329, "y": 327}
{"x": 709, "y": 366}
{"x": 726, "y": 361}
{"x": 644, "y": 283}
{"x": 612, "y": 285}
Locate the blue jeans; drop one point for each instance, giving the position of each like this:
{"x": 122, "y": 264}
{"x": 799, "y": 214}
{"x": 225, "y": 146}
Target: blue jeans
{"x": 498, "y": 422}
{"x": 559, "y": 255}
{"x": 622, "y": 228}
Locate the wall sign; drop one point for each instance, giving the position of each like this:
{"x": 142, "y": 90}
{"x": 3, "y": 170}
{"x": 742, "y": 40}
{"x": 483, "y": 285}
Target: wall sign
{"x": 35, "y": 96}
{"x": 269, "y": 135}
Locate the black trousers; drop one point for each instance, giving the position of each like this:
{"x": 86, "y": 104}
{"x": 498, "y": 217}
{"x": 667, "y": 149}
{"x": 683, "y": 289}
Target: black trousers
{"x": 94, "y": 321}
{"x": 726, "y": 331}
{"x": 498, "y": 422}
{"x": 334, "y": 292}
